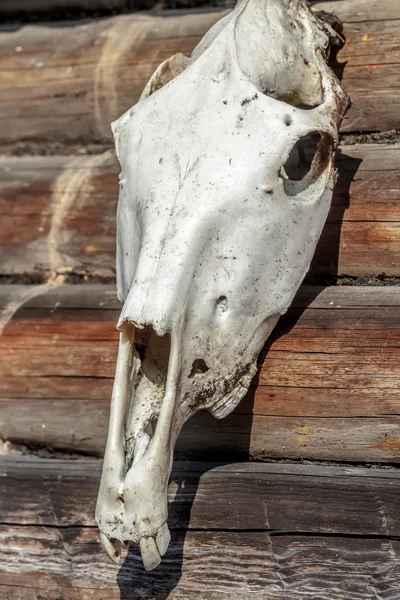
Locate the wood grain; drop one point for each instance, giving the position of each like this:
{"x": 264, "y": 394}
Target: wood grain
{"x": 365, "y": 10}
{"x": 327, "y": 387}
{"x": 68, "y": 84}
{"x": 241, "y": 530}
{"x": 368, "y": 66}
{"x": 59, "y": 212}
{"x": 40, "y": 562}
{"x": 27, "y": 8}
{"x": 328, "y": 380}
{"x": 217, "y": 496}
{"x": 62, "y": 9}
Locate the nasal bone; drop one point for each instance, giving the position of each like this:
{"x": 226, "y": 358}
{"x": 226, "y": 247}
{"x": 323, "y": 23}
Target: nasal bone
{"x": 158, "y": 292}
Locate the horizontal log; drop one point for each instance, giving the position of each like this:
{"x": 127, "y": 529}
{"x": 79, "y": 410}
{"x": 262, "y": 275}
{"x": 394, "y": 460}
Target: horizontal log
{"x": 47, "y": 493}
{"x": 68, "y": 84}
{"x": 59, "y": 212}
{"x": 48, "y": 8}
{"x": 41, "y": 563}
{"x": 364, "y": 11}
{"x": 269, "y": 531}
{"x": 32, "y": 9}
{"x": 327, "y": 387}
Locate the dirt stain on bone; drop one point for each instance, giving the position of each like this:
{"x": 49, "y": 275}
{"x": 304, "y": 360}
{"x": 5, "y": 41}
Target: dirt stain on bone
{"x": 124, "y": 36}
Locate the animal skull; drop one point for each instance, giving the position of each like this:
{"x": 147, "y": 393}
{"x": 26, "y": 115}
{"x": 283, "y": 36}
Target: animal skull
{"x": 213, "y": 239}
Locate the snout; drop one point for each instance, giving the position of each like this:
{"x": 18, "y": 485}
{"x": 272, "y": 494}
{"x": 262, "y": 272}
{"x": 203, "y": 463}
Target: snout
{"x": 132, "y": 502}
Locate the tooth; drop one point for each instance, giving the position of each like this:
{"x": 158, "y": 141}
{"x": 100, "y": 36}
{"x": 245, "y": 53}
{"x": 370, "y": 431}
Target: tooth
{"x": 113, "y": 548}
{"x": 150, "y": 555}
{"x": 163, "y": 539}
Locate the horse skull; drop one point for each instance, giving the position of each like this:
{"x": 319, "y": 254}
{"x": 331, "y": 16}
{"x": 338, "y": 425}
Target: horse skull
{"x": 213, "y": 239}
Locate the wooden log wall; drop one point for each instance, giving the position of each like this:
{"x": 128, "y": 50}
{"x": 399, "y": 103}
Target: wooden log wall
{"x": 70, "y": 87}
{"x": 65, "y": 214}
{"x": 328, "y": 383}
{"x": 55, "y": 9}
{"x": 27, "y": 8}
{"x": 327, "y": 387}
{"x": 270, "y": 532}
{"x": 58, "y": 215}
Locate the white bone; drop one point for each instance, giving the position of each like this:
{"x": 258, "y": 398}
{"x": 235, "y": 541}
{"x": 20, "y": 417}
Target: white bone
{"x": 214, "y": 239}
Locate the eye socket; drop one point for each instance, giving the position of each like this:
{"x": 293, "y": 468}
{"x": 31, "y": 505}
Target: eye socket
{"x": 301, "y": 156}
{"x": 308, "y": 159}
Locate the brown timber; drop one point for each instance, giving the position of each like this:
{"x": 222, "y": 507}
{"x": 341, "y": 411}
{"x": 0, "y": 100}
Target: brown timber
{"x": 59, "y": 212}
{"x": 327, "y": 387}
{"x": 68, "y": 83}
{"x": 267, "y": 531}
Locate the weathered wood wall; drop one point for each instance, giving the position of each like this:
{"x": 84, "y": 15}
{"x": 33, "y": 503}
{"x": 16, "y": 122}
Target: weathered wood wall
{"x": 26, "y": 8}
{"x": 58, "y": 214}
{"x": 70, "y": 87}
{"x": 327, "y": 387}
{"x": 328, "y": 381}
{"x": 365, "y": 9}
{"x": 65, "y": 214}
{"x": 56, "y": 9}
{"x": 276, "y": 532}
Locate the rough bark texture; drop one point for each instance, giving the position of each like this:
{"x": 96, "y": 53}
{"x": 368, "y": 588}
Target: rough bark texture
{"x": 69, "y": 83}
{"x": 327, "y": 386}
{"x": 271, "y": 532}
{"x": 328, "y": 382}
{"x": 65, "y": 214}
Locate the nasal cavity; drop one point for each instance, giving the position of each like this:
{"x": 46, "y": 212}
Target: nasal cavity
{"x": 307, "y": 160}
{"x": 151, "y": 426}
{"x": 199, "y": 367}
{"x": 147, "y": 381}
